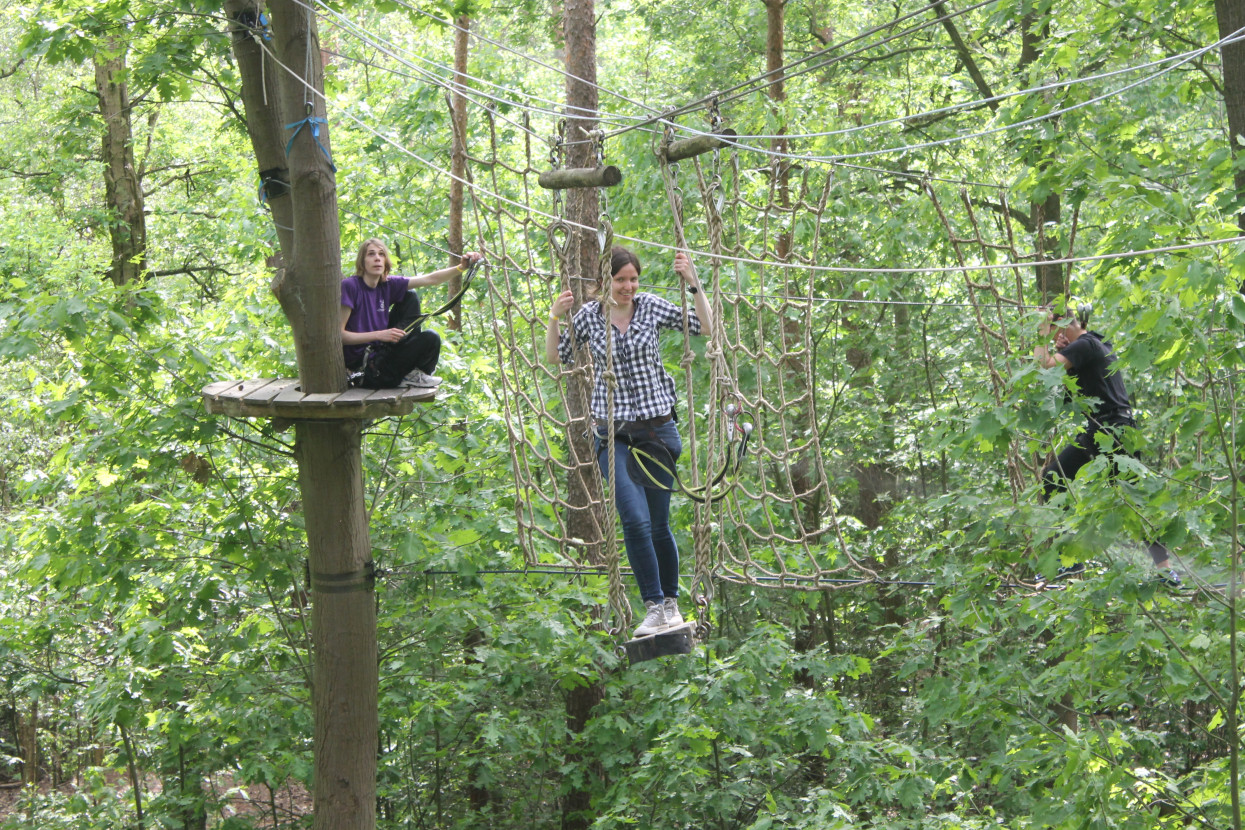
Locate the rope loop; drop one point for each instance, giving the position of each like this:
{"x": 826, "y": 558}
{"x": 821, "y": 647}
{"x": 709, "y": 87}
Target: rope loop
{"x": 559, "y": 233}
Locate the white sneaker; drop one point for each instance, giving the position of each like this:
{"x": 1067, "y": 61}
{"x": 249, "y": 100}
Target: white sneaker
{"x": 654, "y": 620}
{"x": 419, "y": 379}
{"x": 673, "y": 617}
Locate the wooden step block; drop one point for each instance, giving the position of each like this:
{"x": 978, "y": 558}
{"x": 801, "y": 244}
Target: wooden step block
{"x": 677, "y": 640}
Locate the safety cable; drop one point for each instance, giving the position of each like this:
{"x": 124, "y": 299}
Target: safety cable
{"x": 945, "y": 269}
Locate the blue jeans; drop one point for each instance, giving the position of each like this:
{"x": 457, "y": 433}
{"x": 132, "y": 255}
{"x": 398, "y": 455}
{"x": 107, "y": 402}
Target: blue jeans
{"x": 645, "y": 515}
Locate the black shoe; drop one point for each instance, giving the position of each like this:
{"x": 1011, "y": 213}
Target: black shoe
{"x": 1071, "y": 570}
{"x": 1170, "y": 578}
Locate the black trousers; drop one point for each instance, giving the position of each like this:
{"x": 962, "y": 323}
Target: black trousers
{"x": 388, "y": 363}
{"x": 1064, "y": 467}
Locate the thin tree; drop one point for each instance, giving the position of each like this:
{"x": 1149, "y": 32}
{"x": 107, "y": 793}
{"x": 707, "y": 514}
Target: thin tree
{"x": 458, "y": 157}
{"x": 123, "y": 189}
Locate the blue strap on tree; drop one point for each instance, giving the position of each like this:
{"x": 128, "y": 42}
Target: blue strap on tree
{"x": 314, "y": 123}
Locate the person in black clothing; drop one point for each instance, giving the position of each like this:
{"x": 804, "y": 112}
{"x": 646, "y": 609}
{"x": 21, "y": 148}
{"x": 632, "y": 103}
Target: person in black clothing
{"x": 1089, "y": 359}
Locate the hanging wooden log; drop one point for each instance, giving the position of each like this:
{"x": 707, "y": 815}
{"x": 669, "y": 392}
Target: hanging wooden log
{"x": 701, "y": 144}
{"x": 607, "y": 176}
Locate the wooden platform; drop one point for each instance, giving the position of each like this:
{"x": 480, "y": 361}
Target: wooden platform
{"x": 281, "y": 398}
{"x": 677, "y": 640}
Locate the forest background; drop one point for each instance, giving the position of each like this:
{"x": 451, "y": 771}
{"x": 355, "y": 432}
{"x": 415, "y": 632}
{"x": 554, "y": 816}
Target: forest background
{"x": 154, "y": 642}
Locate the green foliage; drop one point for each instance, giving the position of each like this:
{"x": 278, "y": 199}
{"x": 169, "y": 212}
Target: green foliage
{"x": 153, "y": 556}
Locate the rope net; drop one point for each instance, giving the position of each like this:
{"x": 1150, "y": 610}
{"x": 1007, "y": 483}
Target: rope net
{"x": 771, "y": 521}
{"x": 998, "y": 304}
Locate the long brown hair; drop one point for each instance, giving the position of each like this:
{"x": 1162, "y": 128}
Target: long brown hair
{"x": 620, "y": 258}
{"x": 362, "y": 257}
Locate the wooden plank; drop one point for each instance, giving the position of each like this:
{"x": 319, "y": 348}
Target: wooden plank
{"x": 266, "y": 393}
{"x": 380, "y": 396}
{"x": 353, "y": 397}
{"x": 419, "y": 395}
{"x": 234, "y": 388}
{"x": 294, "y": 398}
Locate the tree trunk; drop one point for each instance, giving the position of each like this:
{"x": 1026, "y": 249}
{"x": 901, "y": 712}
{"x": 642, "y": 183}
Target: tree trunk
{"x": 577, "y": 803}
{"x": 458, "y": 161}
{"x": 1044, "y": 215}
{"x": 343, "y": 618}
{"x": 803, "y": 471}
{"x": 123, "y": 190}
{"x": 584, "y": 520}
{"x": 1231, "y": 17}
{"x": 579, "y": 28}
{"x": 265, "y": 118}
{"x": 28, "y": 740}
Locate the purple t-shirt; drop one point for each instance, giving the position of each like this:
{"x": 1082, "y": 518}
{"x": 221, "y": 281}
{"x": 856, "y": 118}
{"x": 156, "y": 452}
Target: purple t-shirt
{"x": 369, "y": 308}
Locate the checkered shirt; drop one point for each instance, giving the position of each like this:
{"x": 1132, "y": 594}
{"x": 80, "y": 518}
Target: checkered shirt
{"x": 645, "y": 389}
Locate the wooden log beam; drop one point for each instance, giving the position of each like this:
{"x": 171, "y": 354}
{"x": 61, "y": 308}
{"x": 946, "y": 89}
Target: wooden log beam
{"x": 701, "y": 144}
{"x": 580, "y": 177}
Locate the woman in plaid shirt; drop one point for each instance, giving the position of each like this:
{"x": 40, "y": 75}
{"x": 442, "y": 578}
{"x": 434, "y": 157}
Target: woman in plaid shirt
{"x": 644, "y": 401}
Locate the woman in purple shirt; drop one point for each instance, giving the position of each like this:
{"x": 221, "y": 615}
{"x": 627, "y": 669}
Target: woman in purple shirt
{"x": 377, "y": 308}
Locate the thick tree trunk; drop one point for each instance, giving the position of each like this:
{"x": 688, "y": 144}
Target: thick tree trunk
{"x": 310, "y": 294}
{"x": 803, "y": 470}
{"x": 343, "y": 625}
{"x": 775, "y": 45}
{"x": 577, "y": 803}
{"x": 579, "y": 28}
{"x": 265, "y": 120}
{"x": 328, "y": 453}
{"x": 28, "y": 741}
{"x": 458, "y": 160}
{"x": 123, "y": 189}
{"x": 584, "y": 520}
{"x": 1231, "y": 17}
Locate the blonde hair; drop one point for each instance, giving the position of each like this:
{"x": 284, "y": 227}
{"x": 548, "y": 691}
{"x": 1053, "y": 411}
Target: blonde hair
{"x": 362, "y": 257}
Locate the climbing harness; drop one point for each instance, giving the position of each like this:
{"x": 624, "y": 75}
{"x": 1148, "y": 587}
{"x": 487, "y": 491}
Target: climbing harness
{"x": 650, "y": 464}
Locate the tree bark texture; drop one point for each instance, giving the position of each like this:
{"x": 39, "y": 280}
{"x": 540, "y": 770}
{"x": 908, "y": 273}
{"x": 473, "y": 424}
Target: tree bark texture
{"x": 329, "y": 456}
{"x": 577, "y": 803}
{"x": 343, "y": 625}
{"x": 1231, "y": 17}
{"x": 458, "y": 161}
{"x": 123, "y": 190}
{"x": 580, "y": 177}
{"x": 584, "y": 521}
{"x": 310, "y": 294}
{"x": 803, "y": 471}
{"x": 264, "y": 116}
{"x": 1046, "y": 214}
{"x": 582, "y": 101}
{"x": 28, "y": 741}
{"x": 579, "y": 27}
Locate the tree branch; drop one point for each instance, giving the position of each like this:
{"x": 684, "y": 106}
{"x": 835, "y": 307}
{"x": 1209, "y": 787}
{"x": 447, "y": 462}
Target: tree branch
{"x": 966, "y": 57}
{"x": 4, "y": 73}
{"x": 1025, "y": 220}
